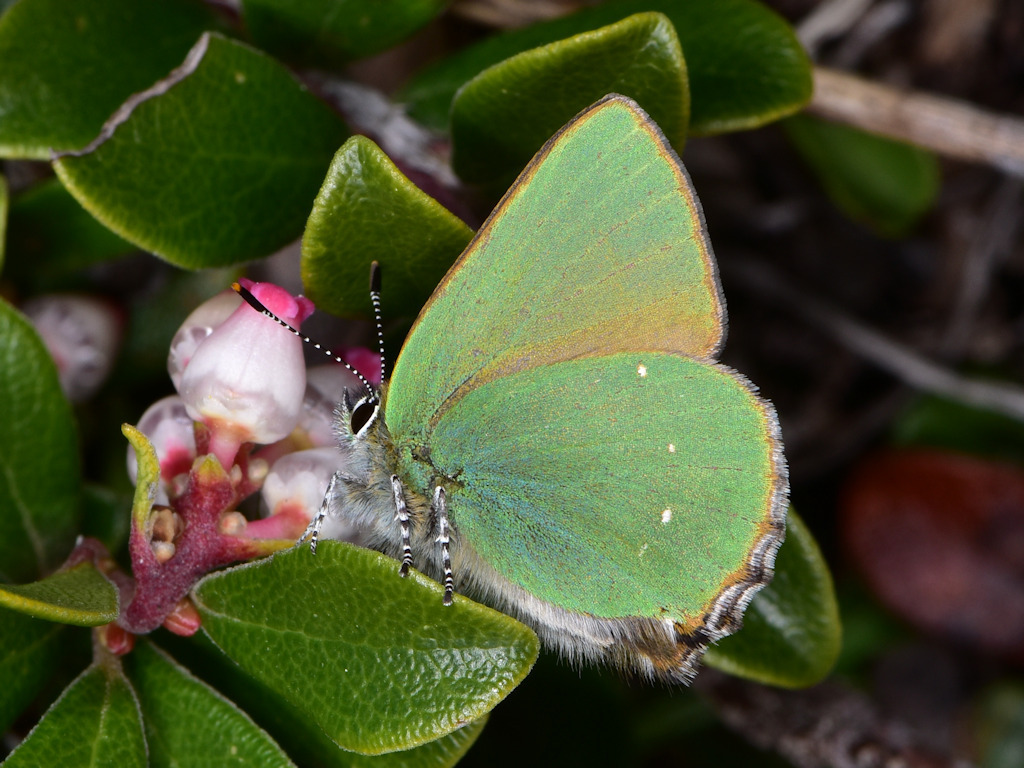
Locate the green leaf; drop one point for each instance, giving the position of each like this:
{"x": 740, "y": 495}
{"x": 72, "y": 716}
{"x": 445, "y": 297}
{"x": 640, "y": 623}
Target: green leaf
{"x": 95, "y": 722}
{"x": 103, "y": 515}
{"x": 4, "y": 212}
{"x": 66, "y": 69}
{"x": 376, "y": 660}
{"x": 30, "y": 651}
{"x": 938, "y": 423}
{"x": 883, "y": 183}
{"x": 39, "y": 472}
{"x": 215, "y": 165}
{"x": 999, "y": 726}
{"x": 791, "y": 632}
{"x": 188, "y": 723}
{"x": 502, "y": 116}
{"x": 155, "y": 321}
{"x": 148, "y": 475}
{"x": 745, "y": 65}
{"x": 80, "y": 595}
{"x": 440, "y": 753}
{"x": 297, "y": 732}
{"x": 368, "y": 210}
{"x": 331, "y": 32}
{"x": 52, "y": 238}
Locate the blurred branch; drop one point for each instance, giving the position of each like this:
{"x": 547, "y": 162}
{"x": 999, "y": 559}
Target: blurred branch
{"x": 512, "y": 14}
{"x": 902, "y": 362}
{"x": 990, "y": 238}
{"x": 947, "y": 126}
{"x": 827, "y": 726}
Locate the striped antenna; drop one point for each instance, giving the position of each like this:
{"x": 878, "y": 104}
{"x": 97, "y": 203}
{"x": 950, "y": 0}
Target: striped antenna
{"x": 375, "y": 298}
{"x": 255, "y": 303}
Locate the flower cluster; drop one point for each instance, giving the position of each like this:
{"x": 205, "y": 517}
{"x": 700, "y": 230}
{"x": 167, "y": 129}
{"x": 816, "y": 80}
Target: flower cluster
{"x": 248, "y": 417}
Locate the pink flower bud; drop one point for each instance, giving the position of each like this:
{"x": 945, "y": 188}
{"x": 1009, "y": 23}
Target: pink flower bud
{"x": 325, "y": 387}
{"x": 366, "y": 361}
{"x": 296, "y": 486}
{"x": 184, "y": 620}
{"x": 197, "y": 326}
{"x": 246, "y": 380}
{"x": 82, "y": 334}
{"x": 169, "y": 429}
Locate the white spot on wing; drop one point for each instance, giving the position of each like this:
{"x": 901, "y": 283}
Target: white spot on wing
{"x": 666, "y": 516}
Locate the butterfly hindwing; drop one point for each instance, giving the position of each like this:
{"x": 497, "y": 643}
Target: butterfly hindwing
{"x": 628, "y": 485}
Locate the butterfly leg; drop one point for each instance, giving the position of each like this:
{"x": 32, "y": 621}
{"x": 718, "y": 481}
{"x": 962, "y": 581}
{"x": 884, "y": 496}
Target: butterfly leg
{"x": 312, "y": 531}
{"x": 402, "y": 516}
{"x": 440, "y": 507}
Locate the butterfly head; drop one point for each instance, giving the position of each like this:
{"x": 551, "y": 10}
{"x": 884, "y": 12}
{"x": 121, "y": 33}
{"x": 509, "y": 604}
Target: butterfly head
{"x": 358, "y": 413}
{"x": 359, "y": 425}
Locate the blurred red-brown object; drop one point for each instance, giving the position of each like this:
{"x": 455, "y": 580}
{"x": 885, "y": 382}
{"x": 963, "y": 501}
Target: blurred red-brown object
{"x": 939, "y": 537}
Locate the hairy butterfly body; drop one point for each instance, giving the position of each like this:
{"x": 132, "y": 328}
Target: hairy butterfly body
{"x": 557, "y": 438}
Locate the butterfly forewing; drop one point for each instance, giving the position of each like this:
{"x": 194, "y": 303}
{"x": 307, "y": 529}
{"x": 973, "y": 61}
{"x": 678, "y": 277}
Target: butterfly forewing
{"x": 598, "y": 247}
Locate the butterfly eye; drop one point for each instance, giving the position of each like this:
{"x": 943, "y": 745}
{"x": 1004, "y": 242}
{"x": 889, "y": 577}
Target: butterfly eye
{"x": 362, "y": 414}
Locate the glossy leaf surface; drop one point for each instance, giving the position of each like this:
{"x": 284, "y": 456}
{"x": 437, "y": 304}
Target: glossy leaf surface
{"x": 296, "y": 731}
{"x": 67, "y": 69}
{"x": 30, "y": 650}
{"x": 189, "y": 723}
{"x": 501, "y": 117}
{"x": 791, "y": 631}
{"x": 80, "y": 595}
{"x": 215, "y": 166}
{"x": 367, "y": 210}
{"x": 329, "y": 32}
{"x": 744, "y": 63}
{"x": 95, "y": 722}
{"x": 376, "y": 660}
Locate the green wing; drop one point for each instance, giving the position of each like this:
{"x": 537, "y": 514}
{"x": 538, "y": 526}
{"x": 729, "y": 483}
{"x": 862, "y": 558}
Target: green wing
{"x": 634, "y": 484}
{"x": 598, "y": 247}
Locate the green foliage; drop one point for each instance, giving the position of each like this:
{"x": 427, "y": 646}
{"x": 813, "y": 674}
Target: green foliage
{"x": 48, "y": 226}
{"x": 188, "y": 723}
{"x": 38, "y": 452}
{"x": 329, "y": 32}
{"x": 744, "y": 64}
{"x": 29, "y": 651}
{"x": 501, "y": 117}
{"x": 368, "y": 204}
{"x": 79, "y": 595}
{"x": 939, "y": 423}
{"x": 95, "y": 722}
{"x": 218, "y": 166}
{"x": 106, "y": 52}
{"x": 791, "y": 631}
{"x": 406, "y": 670}
{"x": 168, "y": 136}
{"x": 886, "y": 184}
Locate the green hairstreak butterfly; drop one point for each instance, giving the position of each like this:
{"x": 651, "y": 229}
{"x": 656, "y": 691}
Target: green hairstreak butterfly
{"x": 557, "y": 438}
